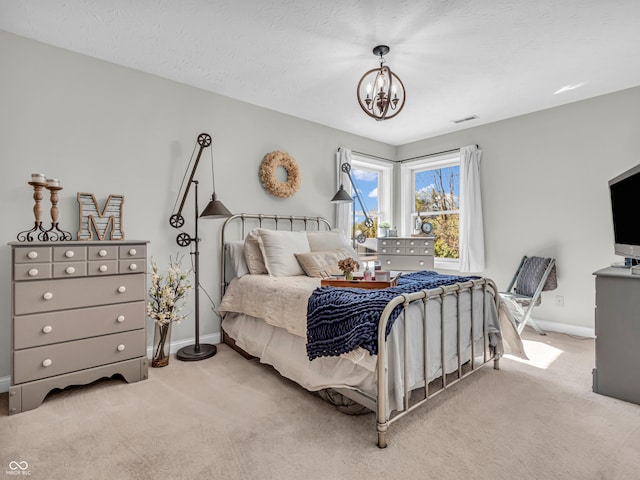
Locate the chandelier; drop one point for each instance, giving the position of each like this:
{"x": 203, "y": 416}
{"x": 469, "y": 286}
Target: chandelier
{"x": 380, "y": 92}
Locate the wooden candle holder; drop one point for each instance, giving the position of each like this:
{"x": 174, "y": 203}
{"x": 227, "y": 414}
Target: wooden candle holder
{"x": 55, "y": 233}
{"x": 37, "y": 230}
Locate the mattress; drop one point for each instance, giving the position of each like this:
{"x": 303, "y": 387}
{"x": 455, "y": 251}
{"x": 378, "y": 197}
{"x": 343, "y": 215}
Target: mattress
{"x": 267, "y": 317}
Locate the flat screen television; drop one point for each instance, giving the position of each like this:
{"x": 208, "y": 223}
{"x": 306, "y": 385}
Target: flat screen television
{"x": 625, "y": 207}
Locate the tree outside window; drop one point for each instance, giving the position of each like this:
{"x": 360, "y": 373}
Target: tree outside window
{"x": 437, "y": 194}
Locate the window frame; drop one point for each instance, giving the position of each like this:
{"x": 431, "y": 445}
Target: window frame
{"x": 385, "y": 182}
{"x": 408, "y": 189}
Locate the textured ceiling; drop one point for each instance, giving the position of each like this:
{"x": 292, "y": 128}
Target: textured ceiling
{"x": 491, "y": 58}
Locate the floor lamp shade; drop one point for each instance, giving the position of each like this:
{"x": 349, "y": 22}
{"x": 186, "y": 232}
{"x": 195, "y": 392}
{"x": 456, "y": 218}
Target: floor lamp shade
{"x": 215, "y": 209}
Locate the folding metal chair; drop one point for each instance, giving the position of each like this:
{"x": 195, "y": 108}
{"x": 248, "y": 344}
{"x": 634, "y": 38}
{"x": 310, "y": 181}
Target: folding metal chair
{"x": 534, "y": 275}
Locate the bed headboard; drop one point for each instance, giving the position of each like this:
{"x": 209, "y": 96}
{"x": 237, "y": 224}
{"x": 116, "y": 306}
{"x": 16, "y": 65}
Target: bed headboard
{"x": 237, "y": 226}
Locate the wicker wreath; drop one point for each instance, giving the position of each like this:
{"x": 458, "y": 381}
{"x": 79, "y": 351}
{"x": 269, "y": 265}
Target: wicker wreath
{"x": 274, "y": 186}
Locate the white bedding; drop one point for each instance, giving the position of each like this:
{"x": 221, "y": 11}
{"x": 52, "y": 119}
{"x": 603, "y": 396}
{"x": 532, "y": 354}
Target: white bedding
{"x": 267, "y": 318}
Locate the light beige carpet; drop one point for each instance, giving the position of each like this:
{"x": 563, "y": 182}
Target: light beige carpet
{"x": 230, "y": 418}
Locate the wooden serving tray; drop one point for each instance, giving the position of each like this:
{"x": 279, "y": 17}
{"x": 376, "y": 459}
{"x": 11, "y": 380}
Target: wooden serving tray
{"x": 359, "y": 283}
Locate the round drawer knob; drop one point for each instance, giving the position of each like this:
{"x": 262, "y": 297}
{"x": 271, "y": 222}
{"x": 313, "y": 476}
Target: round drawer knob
{"x": 33, "y": 272}
{"x": 121, "y": 348}
{"x": 120, "y": 318}
{"x": 133, "y": 266}
{"x": 47, "y": 329}
{"x": 122, "y": 289}
{"x": 103, "y": 268}
{"x": 397, "y": 250}
{"x": 411, "y": 250}
{"x": 132, "y": 251}
{"x": 70, "y": 270}
{"x": 69, "y": 253}
{"x": 421, "y": 262}
{"x": 47, "y": 362}
{"x": 388, "y": 262}
{"x": 102, "y": 253}
{"x": 32, "y": 255}
{"x": 47, "y": 295}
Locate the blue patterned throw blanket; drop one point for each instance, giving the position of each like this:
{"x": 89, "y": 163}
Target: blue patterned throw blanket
{"x": 341, "y": 319}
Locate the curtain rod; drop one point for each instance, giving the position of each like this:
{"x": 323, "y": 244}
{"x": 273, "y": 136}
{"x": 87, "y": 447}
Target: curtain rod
{"x": 433, "y": 154}
{"x": 372, "y": 156}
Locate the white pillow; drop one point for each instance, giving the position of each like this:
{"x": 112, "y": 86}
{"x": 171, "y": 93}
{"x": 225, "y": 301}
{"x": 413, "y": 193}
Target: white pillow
{"x": 235, "y": 252}
{"x": 331, "y": 240}
{"x": 278, "y": 248}
{"x": 253, "y": 255}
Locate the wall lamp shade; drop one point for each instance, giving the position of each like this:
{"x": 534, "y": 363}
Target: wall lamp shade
{"x": 215, "y": 209}
{"x": 381, "y": 93}
{"x": 342, "y": 196}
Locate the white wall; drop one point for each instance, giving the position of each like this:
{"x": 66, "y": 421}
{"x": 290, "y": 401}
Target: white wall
{"x": 544, "y": 187}
{"x": 105, "y": 129}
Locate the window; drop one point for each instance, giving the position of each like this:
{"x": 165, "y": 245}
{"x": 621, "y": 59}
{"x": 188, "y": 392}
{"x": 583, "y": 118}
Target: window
{"x": 432, "y": 195}
{"x": 373, "y": 180}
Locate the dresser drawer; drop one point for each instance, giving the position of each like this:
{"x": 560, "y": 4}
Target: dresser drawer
{"x": 393, "y": 250}
{"x": 32, "y": 254}
{"x": 133, "y": 265}
{"x": 47, "y": 295}
{"x": 422, "y": 251}
{"x": 54, "y": 327}
{"x": 69, "y": 269}
{"x": 48, "y": 361}
{"x": 104, "y": 252}
{"x": 31, "y": 271}
{"x": 405, "y": 262}
{"x": 69, "y": 253}
{"x": 391, "y": 242}
{"x": 420, "y": 242}
{"x": 133, "y": 251}
{"x": 102, "y": 267}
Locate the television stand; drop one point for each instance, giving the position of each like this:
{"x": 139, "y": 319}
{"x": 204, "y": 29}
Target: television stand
{"x": 617, "y": 328}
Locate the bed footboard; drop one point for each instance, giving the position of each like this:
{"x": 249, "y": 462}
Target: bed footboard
{"x": 489, "y": 294}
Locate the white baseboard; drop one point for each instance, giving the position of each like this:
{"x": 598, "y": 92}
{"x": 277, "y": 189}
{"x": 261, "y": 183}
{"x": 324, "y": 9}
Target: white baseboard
{"x": 566, "y": 328}
{"x": 213, "y": 338}
{"x": 4, "y": 384}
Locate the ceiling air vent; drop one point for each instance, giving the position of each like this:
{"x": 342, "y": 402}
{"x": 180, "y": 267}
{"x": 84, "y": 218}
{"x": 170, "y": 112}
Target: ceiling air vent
{"x": 465, "y": 119}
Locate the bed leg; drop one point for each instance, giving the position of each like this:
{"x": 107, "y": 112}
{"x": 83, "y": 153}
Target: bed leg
{"x": 496, "y": 363}
{"x": 382, "y": 434}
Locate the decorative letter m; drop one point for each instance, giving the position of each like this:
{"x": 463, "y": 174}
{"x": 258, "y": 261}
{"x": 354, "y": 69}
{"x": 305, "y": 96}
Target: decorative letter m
{"x": 90, "y": 214}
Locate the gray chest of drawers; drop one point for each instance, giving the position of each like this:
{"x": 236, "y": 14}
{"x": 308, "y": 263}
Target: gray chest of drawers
{"x": 406, "y": 253}
{"x": 78, "y": 315}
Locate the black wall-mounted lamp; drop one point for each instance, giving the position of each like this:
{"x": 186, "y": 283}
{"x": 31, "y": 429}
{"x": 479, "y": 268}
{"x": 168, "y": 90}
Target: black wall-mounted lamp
{"x": 214, "y": 209}
{"x": 342, "y": 196}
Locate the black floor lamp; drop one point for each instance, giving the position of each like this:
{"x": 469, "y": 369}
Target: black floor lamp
{"x": 214, "y": 209}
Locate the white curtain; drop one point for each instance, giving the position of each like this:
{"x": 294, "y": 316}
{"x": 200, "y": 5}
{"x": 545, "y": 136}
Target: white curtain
{"x": 343, "y": 210}
{"x": 471, "y": 241}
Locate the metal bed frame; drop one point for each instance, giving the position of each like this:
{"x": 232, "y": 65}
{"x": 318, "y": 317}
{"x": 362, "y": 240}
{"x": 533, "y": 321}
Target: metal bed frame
{"x": 379, "y": 404}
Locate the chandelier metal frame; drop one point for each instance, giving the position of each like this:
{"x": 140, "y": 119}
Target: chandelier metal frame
{"x": 383, "y": 97}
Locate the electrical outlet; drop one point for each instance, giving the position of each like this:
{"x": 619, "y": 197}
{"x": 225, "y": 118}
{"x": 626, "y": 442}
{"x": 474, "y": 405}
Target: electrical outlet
{"x": 559, "y": 301}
